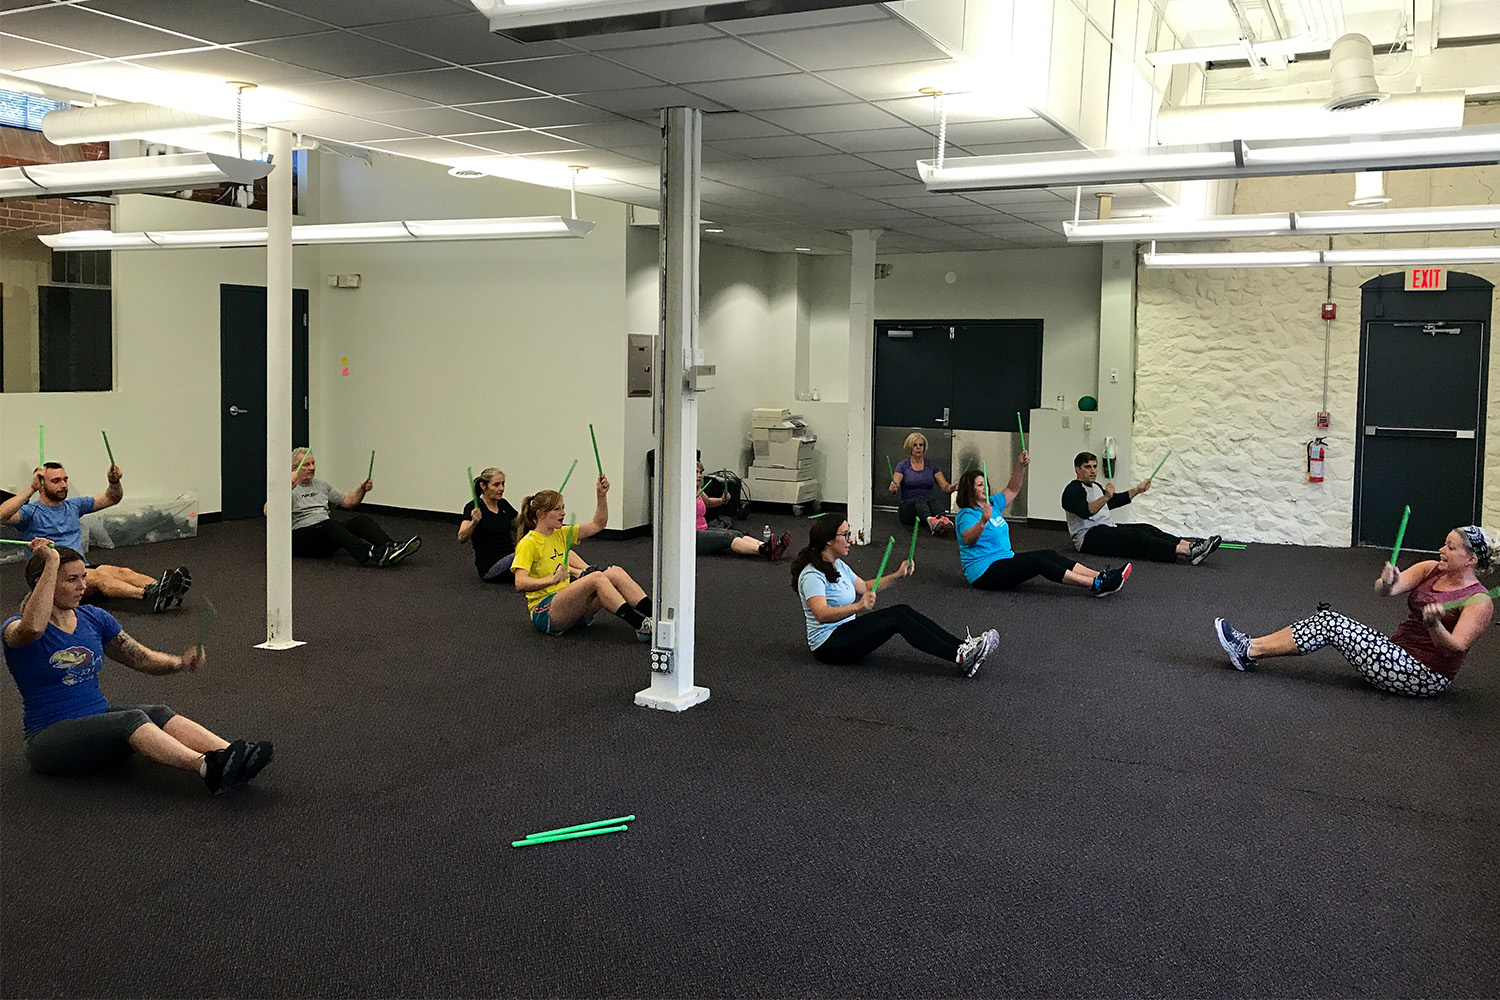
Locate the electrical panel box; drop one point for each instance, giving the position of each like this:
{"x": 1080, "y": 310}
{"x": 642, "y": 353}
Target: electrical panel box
{"x": 638, "y": 365}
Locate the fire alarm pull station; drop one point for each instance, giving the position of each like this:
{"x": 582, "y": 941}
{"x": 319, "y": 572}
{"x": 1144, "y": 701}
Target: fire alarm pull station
{"x": 1330, "y": 311}
{"x": 1322, "y": 420}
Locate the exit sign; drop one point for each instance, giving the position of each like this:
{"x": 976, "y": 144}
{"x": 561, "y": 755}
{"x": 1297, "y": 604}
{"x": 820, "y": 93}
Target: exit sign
{"x": 1427, "y": 279}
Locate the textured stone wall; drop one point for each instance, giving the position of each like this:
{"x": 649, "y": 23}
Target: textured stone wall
{"x": 1229, "y": 369}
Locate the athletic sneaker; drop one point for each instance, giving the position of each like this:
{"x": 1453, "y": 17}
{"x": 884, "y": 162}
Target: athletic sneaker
{"x": 257, "y": 755}
{"x": 179, "y": 583}
{"x": 400, "y": 551}
{"x": 780, "y": 545}
{"x": 643, "y": 630}
{"x": 380, "y": 555}
{"x": 159, "y": 594}
{"x": 975, "y": 649}
{"x": 1235, "y": 643}
{"x": 1213, "y": 543}
{"x": 934, "y": 526}
{"x": 1110, "y": 580}
{"x": 1198, "y": 551}
{"x": 224, "y": 766}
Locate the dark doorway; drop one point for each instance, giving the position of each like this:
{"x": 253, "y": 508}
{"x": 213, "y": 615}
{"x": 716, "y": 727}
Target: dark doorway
{"x": 76, "y": 347}
{"x": 242, "y": 394}
{"x": 1423, "y": 364}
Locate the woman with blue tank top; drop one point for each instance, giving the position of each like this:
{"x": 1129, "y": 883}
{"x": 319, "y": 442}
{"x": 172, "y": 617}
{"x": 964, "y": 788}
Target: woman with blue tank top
{"x": 55, "y": 649}
{"x": 984, "y": 543}
{"x": 843, "y": 626}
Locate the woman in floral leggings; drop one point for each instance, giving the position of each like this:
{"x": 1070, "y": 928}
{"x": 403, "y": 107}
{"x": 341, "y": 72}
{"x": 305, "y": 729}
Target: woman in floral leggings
{"x": 1427, "y": 649}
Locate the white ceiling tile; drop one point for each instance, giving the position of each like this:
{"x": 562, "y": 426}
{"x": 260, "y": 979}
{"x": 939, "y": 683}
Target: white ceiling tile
{"x": 570, "y": 74}
{"x": 737, "y": 125}
{"x": 611, "y": 135}
{"x": 450, "y": 86}
{"x": 464, "y": 39}
{"x": 696, "y": 62}
{"x": 809, "y": 166}
{"x": 229, "y": 64}
{"x": 519, "y": 142}
{"x": 1059, "y": 145}
{"x": 436, "y": 121}
{"x": 354, "y": 98}
{"x": 805, "y": 19}
{"x": 1002, "y": 131}
{"x": 607, "y": 161}
{"x": 832, "y": 118}
{"x": 866, "y": 43}
{"x": 222, "y": 21}
{"x": 341, "y": 128}
{"x": 541, "y": 112}
{"x": 640, "y": 39}
{"x": 880, "y": 140}
{"x": 641, "y": 102}
{"x": 890, "y": 80}
{"x": 794, "y": 90}
{"x": 22, "y": 53}
{"x": 342, "y": 53}
{"x": 903, "y": 160}
{"x": 769, "y": 146}
{"x": 351, "y": 13}
{"x": 80, "y": 28}
{"x": 426, "y": 148}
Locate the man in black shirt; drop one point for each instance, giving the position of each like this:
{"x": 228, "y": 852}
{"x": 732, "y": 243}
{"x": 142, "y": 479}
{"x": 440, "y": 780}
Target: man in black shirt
{"x": 1087, "y": 506}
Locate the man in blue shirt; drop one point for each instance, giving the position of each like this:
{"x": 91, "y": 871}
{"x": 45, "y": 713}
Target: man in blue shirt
{"x": 56, "y": 516}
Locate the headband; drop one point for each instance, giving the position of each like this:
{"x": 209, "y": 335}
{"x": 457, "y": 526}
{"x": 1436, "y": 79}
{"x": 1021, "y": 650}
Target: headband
{"x": 1478, "y": 543}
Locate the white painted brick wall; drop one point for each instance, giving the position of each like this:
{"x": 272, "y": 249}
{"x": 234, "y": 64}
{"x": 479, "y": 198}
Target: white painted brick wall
{"x": 1229, "y": 371}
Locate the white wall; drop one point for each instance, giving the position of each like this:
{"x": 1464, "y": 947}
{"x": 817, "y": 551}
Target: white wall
{"x": 469, "y": 354}
{"x": 1230, "y": 370}
{"x": 163, "y": 415}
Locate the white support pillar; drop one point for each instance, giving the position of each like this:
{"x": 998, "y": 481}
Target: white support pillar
{"x": 674, "y": 584}
{"x": 861, "y": 379}
{"x": 1117, "y": 355}
{"x": 279, "y": 394}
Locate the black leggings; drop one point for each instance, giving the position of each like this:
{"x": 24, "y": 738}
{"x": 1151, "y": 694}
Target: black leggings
{"x": 855, "y": 639}
{"x": 358, "y": 535}
{"x": 1130, "y": 541}
{"x": 1003, "y": 574}
{"x": 76, "y": 746}
{"x": 934, "y": 504}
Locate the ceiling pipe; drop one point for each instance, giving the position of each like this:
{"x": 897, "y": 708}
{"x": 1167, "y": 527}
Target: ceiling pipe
{"x": 1435, "y": 111}
{"x": 123, "y": 121}
{"x": 1324, "y": 21}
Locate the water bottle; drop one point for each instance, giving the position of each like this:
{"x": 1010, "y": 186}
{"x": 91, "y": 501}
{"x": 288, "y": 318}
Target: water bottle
{"x": 765, "y": 534}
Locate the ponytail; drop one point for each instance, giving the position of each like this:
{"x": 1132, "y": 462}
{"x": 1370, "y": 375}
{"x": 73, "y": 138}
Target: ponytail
{"x": 823, "y": 531}
{"x": 532, "y": 509}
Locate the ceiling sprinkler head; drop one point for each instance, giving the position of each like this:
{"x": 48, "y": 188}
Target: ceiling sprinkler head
{"x": 465, "y": 173}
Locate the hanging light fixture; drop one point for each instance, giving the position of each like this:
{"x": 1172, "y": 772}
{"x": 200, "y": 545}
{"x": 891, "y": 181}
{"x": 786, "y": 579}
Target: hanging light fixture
{"x": 1453, "y": 218}
{"x": 1396, "y": 257}
{"x": 130, "y": 174}
{"x": 426, "y": 231}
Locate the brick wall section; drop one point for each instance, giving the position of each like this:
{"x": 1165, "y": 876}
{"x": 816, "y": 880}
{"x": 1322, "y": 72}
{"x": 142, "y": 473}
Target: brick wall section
{"x": 32, "y": 216}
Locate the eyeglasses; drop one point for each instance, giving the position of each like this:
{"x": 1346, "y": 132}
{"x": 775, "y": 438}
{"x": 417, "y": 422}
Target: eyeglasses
{"x": 845, "y": 534}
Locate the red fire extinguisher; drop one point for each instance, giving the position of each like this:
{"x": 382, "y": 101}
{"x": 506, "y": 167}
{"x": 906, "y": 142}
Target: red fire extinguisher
{"x": 1316, "y": 449}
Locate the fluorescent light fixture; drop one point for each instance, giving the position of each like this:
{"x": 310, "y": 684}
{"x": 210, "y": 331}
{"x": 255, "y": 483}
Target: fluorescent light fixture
{"x": 1170, "y": 228}
{"x": 430, "y": 231}
{"x": 1457, "y": 218}
{"x": 1277, "y": 258}
{"x": 1220, "y": 160}
{"x": 1397, "y": 257}
{"x": 176, "y": 172}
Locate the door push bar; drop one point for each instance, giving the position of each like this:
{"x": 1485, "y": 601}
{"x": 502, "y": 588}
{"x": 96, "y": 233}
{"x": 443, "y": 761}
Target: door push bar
{"x": 1414, "y": 432}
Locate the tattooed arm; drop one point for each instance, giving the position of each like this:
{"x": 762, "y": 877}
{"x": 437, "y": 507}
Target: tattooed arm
{"x": 123, "y": 649}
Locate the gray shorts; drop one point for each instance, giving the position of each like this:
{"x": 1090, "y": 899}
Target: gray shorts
{"x": 76, "y": 746}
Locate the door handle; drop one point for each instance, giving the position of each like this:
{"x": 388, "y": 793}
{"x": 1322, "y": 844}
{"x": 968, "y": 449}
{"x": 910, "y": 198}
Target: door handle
{"x": 944, "y": 418}
{"x": 235, "y": 411}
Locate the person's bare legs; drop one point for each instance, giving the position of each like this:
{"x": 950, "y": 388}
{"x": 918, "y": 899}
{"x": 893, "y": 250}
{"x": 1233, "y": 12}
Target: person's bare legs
{"x": 193, "y": 736}
{"x": 745, "y": 545}
{"x": 1278, "y": 643}
{"x": 577, "y": 600}
{"x": 1183, "y": 546}
{"x": 116, "y": 581}
{"x": 627, "y": 588}
{"x": 156, "y": 744}
{"x": 1080, "y": 575}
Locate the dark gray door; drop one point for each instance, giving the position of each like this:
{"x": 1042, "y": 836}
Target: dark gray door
{"x": 75, "y": 328}
{"x": 1424, "y": 359}
{"x": 242, "y": 394}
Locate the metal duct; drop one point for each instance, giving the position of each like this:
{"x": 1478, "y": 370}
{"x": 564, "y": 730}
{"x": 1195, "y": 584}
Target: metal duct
{"x": 1352, "y": 67}
{"x": 123, "y": 121}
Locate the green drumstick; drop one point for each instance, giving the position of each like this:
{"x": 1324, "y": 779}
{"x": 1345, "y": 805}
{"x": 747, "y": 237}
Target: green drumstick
{"x": 1400, "y": 534}
{"x": 1464, "y": 602}
{"x": 1161, "y": 463}
{"x": 912, "y": 557}
{"x": 17, "y": 541}
{"x": 891, "y": 467}
{"x": 568, "y": 476}
{"x": 371, "y": 473}
{"x": 533, "y": 841}
{"x": 875, "y": 587}
{"x": 581, "y": 826}
{"x": 706, "y": 482}
{"x": 305, "y": 453}
{"x": 473, "y": 487}
{"x": 567, "y": 541}
{"x": 596, "y": 450}
{"x": 1022, "y": 429}
{"x": 107, "y": 449}
{"x": 1230, "y": 545}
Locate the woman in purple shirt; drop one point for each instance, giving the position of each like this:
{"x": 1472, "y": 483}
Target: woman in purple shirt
{"x": 924, "y": 491}
{"x": 1424, "y": 654}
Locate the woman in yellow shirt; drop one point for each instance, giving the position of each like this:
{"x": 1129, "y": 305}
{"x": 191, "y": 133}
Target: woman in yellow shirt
{"x": 541, "y": 570}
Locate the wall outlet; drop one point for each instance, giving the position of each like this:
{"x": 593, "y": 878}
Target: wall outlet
{"x": 1067, "y": 422}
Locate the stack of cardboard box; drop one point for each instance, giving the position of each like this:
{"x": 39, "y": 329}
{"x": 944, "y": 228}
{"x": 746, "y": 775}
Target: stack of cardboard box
{"x": 783, "y": 468}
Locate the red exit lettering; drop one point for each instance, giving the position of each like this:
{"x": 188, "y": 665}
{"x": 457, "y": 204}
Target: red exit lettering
{"x": 1426, "y": 279}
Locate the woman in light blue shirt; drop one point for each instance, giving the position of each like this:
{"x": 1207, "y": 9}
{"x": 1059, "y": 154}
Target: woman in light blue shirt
{"x": 984, "y": 543}
{"x": 843, "y": 626}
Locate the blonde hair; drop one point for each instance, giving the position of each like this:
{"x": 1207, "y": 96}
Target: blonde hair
{"x": 532, "y": 509}
{"x": 911, "y": 441}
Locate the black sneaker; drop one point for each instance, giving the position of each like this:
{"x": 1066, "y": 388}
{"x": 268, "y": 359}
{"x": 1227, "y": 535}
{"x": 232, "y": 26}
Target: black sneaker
{"x": 1235, "y": 643}
{"x": 257, "y": 756}
{"x": 380, "y": 555}
{"x": 159, "y": 594}
{"x": 1111, "y": 580}
{"x": 224, "y": 766}
{"x": 400, "y": 551}
{"x": 1197, "y": 552}
{"x": 179, "y": 582}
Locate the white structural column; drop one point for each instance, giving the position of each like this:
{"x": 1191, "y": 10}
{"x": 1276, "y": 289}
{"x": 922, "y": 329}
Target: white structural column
{"x": 1117, "y": 355}
{"x": 279, "y": 394}
{"x": 674, "y": 583}
{"x": 861, "y": 378}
